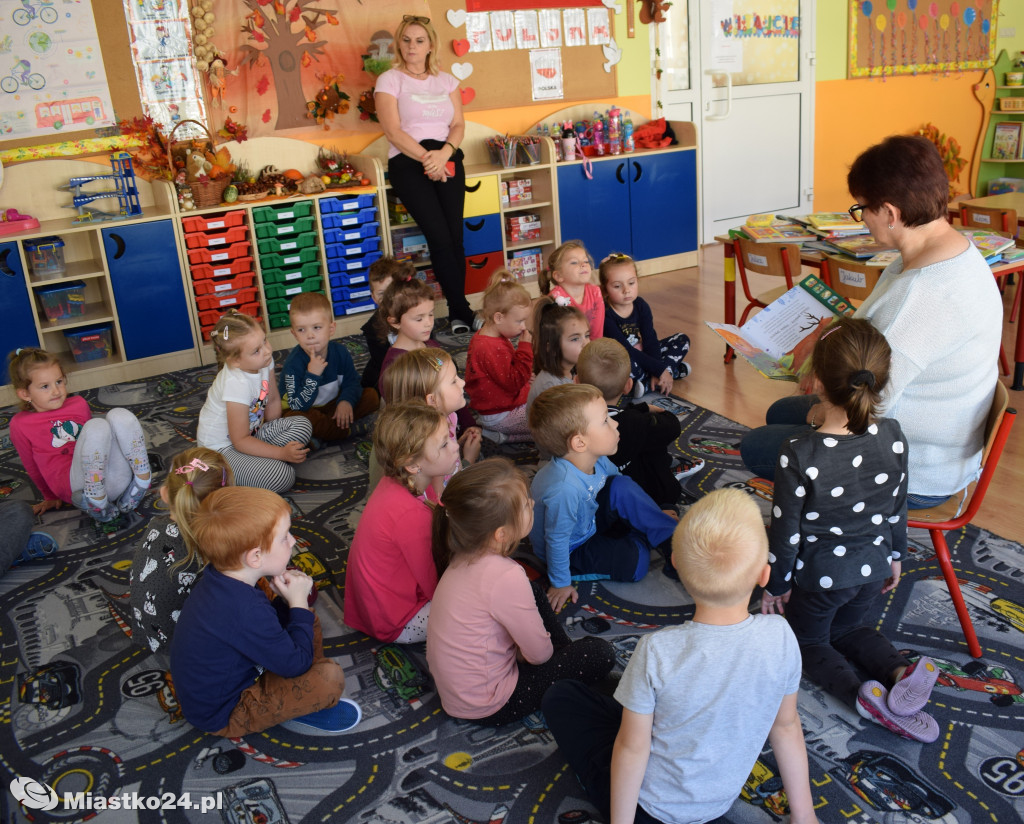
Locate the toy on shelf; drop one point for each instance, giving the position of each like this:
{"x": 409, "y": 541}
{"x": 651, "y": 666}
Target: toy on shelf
{"x": 12, "y": 222}
{"x": 125, "y": 190}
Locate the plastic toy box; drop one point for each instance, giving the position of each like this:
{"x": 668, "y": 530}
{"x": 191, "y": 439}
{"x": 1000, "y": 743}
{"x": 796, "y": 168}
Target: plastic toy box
{"x": 45, "y": 256}
{"x": 91, "y": 342}
{"x": 63, "y": 302}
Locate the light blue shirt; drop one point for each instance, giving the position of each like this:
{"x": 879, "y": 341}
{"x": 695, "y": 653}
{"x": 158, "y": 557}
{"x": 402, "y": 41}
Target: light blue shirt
{"x": 564, "y": 512}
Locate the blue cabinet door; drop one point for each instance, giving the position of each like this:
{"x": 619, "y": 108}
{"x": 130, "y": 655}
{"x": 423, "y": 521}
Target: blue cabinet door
{"x": 663, "y": 201}
{"x": 145, "y": 273}
{"x": 17, "y": 321}
{"x": 596, "y": 211}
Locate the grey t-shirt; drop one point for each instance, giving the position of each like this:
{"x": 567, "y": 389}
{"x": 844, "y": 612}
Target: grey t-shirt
{"x": 714, "y": 692}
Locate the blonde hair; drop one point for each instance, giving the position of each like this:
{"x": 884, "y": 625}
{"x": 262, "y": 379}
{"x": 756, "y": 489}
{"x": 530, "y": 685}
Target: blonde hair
{"x": 549, "y": 319}
{"x": 502, "y": 294}
{"x": 305, "y": 303}
{"x": 720, "y": 548}
{"x": 477, "y": 502}
{"x": 401, "y": 296}
{"x": 233, "y": 520}
{"x": 558, "y": 414}
{"x": 604, "y": 363}
{"x": 193, "y": 475}
{"x": 614, "y": 259}
{"x": 544, "y": 277}
{"x": 400, "y": 437}
{"x": 21, "y": 363}
{"x": 432, "y": 64}
{"x": 414, "y": 374}
{"x": 228, "y": 332}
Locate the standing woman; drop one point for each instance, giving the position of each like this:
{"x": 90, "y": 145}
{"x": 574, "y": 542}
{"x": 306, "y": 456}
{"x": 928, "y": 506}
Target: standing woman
{"x": 420, "y": 109}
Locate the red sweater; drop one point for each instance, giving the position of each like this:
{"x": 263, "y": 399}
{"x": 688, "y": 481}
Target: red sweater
{"x": 46, "y": 443}
{"x": 498, "y": 374}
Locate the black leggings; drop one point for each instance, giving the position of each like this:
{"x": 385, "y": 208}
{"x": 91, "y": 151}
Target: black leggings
{"x": 437, "y": 209}
{"x": 588, "y": 660}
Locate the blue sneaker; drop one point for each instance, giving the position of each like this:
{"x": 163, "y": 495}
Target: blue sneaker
{"x": 342, "y": 717}
{"x": 39, "y": 547}
{"x": 132, "y": 496}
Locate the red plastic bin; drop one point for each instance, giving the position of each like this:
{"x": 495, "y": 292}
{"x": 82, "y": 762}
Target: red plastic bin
{"x": 209, "y": 318}
{"x": 201, "y": 240}
{"x": 218, "y": 253}
{"x": 209, "y": 223}
{"x": 227, "y": 267}
{"x": 227, "y": 300}
{"x": 212, "y": 286}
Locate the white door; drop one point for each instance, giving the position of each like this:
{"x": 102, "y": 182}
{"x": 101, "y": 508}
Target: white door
{"x": 748, "y": 84}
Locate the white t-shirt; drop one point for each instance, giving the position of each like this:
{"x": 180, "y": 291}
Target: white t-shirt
{"x": 424, "y": 106}
{"x": 232, "y": 386}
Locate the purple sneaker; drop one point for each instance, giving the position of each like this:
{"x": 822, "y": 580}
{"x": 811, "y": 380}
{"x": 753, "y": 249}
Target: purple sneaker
{"x": 911, "y": 693}
{"x": 871, "y": 704}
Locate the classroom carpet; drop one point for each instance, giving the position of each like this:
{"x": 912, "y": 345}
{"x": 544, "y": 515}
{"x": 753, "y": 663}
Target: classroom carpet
{"x": 84, "y": 710}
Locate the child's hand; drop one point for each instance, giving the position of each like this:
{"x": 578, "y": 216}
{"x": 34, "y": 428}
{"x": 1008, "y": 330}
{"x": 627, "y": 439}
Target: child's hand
{"x": 893, "y": 580}
{"x": 558, "y": 597}
{"x": 294, "y": 586}
{"x": 294, "y": 452}
{"x": 470, "y": 443}
{"x": 44, "y": 506}
{"x": 317, "y": 362}
{"x": 663, "y": 383}
{"x": 770, "y": 604}
{"x": 343, "y": 415}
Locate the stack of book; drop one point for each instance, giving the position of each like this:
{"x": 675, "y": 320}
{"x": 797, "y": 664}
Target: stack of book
{"x": 781, "y": 231}
{"x": 991, "y": 246}
{"x": 832, "y": 226}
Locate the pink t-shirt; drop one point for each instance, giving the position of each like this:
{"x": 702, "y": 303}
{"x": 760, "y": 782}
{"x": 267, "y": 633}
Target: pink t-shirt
{"x": 592, "y": 306}
{"x": 424, "y": 106}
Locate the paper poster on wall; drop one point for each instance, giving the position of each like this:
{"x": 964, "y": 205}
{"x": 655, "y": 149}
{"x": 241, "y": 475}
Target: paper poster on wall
{"x": 546, "y": 74}
{"x": 527, "y": 32}
{"x": 478, "y": 32}
{"x": 726, "y": 52}
{"x": 503, "y": 24}
{"x": 51, "y": 70}
{"x": 574, "y": 24}
{"x": 550, "y": 21}
{"x": 599, "y": 30}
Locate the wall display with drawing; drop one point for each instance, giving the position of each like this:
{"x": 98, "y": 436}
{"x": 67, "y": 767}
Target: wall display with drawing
{"x": 755, "y": 47}
{"x": 914, "y": 36}
{"x": 51, "y": 70}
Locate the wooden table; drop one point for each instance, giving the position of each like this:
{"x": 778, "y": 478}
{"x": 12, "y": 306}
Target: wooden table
{"x": 813, "y": 260}
{"x": 1007, "y": 200}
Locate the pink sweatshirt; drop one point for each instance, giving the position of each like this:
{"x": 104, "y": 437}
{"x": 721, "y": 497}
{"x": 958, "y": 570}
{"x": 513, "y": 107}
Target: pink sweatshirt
{"x": 46, "y": 443}
{"x": 592, "y": 306}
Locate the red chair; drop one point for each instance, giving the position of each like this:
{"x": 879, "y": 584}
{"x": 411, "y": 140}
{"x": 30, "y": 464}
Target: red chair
{"x": 772, "y": 259}
{"x": 943, "y": 518}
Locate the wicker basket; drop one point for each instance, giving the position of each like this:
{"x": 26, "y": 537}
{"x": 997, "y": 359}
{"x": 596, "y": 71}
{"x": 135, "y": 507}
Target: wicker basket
{"x": 1011, "y": 104}
{"x": 204, "y": 193}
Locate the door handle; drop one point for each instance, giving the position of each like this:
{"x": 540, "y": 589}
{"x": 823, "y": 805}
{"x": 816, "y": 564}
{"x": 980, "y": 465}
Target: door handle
{"x": 618, "y": 173}
{"x": 477, "y": 264}
{"x": 120, "y": 245}
{"x": 5, "y": 267}
{"x": 474, "y": 226}
{"x": 639, "y": 171}
{"x": 473, "y": 187}
{"x": 728, "y": 95}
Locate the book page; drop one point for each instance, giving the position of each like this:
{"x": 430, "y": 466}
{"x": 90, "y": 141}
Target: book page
{"x": 778, "y": 328}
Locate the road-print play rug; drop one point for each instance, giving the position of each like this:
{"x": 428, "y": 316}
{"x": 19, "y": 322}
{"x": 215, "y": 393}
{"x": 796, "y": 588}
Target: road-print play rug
{"x": 84, "y": 710}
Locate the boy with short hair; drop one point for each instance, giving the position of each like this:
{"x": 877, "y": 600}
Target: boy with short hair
{"x": 645, "y": 431}
{"x": 382, "y": 272}
{"x": 319, "y": 380}
{"x": 241, "y": 663}
{"x": 590, "y": 523}
{"x": 686, "y": 735}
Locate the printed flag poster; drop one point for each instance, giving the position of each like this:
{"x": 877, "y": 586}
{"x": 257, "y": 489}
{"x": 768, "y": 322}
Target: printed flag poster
{"x": 546, "y": 74}
{"x": 51, "y": 70}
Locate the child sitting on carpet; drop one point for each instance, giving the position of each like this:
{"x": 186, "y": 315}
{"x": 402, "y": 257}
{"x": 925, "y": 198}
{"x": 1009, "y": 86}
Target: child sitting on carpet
{"x": 375, "y": 330}
{"x": 838, "y": 532}
{"x": 242, "y": 663}
{"x": 98, "y": 465}
{"x": 391, "y": 577}
{"x": 497, "y": 373}
{"x": 591, "y": 523}
{"x": 486, "y": 616}
{"x": 241, "y": 417}
{"x": 696, "y": 702}
{"x": 654, "y": 363}
{"x": 407, "y": 310}
{"x": 561, "y": 332}
{"x": 319, "y": 379}
{"x": 568, "y": 276}
{"x": 645, "y": 432}
{"x": 167, "y": 564}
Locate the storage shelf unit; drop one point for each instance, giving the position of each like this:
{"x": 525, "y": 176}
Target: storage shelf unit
{"x": 993, "y": 167}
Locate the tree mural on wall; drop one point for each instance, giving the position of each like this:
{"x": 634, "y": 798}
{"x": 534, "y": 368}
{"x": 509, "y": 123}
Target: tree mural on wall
{"x": 284, "y": 33}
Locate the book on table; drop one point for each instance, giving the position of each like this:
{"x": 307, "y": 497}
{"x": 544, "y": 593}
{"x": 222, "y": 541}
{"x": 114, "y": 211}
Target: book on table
{"x": 779, "y": 339}
{"x": 779, "y": 232}
{"x": 991, "y": 246}
{"x": 835, "y": 222}
{"x": 861, "y": 246}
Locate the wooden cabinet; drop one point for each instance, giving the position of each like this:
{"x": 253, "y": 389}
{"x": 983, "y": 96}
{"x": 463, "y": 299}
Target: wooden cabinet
{"x": 18, "y": 327}
{"x": 992, "y": 167}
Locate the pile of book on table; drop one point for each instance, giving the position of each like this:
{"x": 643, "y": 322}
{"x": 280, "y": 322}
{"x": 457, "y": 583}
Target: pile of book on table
{"x": 833, "y": 232}
{"x": 994, "y": 248}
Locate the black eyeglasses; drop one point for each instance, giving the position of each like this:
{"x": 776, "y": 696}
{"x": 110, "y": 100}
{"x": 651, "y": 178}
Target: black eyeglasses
{"x": 414, "y": 18}
{"x": 856, "y": 211}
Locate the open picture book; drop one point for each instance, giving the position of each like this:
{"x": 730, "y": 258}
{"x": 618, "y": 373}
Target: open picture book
{"x": 778, "y": 340}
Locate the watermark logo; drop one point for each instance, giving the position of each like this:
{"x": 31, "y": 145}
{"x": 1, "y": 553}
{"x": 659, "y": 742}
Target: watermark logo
{"x": 34, "y": 794}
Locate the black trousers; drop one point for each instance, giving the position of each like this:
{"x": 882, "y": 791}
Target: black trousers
{"x": 437, "y": 209}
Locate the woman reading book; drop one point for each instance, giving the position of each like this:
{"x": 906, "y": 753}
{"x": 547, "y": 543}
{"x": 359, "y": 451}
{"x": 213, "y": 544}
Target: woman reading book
{"x": 938, "y": 307}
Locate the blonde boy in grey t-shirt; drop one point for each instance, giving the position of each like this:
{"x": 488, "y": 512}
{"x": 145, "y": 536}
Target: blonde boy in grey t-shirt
{"x": 721, "y": 684}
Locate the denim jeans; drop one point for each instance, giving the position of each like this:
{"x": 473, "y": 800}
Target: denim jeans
{"x": 785, "y": 418}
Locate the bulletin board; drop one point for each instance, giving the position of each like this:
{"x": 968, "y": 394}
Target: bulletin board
{"x": 501, "y": 79}
{"x": 900, "y": 37}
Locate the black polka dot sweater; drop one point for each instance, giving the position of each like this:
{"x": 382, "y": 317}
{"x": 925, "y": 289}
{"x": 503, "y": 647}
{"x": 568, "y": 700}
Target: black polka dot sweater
{"x": 839, "y": 516}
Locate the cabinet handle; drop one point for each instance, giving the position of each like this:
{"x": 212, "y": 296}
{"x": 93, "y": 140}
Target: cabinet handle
{"x": 474, "y": 187}
{"x": 639, "y": 171}
{"x": 473, "y": 264}
{"x": 618, "y": 173}
{"x": 120, "y": 245}
{"x": 475, "y": 227}
{"x": 6, "y": 269}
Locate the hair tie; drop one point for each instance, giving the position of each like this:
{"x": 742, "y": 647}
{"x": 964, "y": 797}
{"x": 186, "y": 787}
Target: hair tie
{"x": 188, "y": 483}
{"x": 829, "y": 331}
{"x": 563, "y": 301}
{"x": 17, "y": 351}
{"x": 223, "y": 476}
{"x": 863, "y": 377}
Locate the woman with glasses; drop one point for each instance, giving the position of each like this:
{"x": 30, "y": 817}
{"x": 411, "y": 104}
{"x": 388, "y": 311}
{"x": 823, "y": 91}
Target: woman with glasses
{"x": 938, "y": 307}
{"x": 420, "y": 110}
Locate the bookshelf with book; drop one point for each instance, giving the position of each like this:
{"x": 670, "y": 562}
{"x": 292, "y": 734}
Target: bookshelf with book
{"x": 1007, "y": 112}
